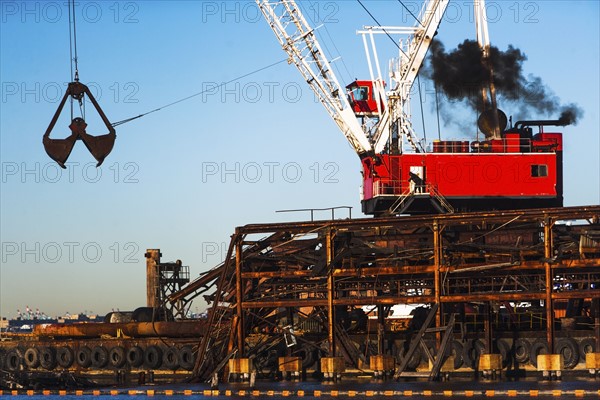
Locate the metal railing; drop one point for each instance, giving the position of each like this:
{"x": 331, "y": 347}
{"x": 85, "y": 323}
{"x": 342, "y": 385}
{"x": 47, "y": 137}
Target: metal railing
{"x": 388, "y": 187}
{"x": 312, "y": 211}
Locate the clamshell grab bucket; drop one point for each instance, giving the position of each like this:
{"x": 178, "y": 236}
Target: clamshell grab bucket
{"x": 59, "y": 149}
{"x": 100, "y": 146}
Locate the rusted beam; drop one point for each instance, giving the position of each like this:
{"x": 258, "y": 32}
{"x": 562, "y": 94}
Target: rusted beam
{"x": 532, "y": 215}
{"x": 548, "y": 302}
{"x": 346, "y": 301}
{"x": 239, "y": 298}
{"x": 576, "y": 294}
{"x": 330, "y": 293}
{"x": 383, "y": 270}
{"x": 203, "y": 347}
{"x": 437, "y": 285}
{"x": 487, "y": 327}
{"x": 498, "y": 296}
{"x": 277, "y": 274}
{"x": 381, "y": 300}
{"x": 198, "y": 283}
{"x": 424, "y": 269}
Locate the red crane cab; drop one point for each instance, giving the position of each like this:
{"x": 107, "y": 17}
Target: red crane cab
{"x": 362, "y": 98}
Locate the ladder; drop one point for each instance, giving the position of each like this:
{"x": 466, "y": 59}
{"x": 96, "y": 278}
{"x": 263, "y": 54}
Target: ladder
{"x": 446, "y": 208}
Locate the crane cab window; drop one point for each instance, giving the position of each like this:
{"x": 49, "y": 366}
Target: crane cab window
{"x": 360, "y": 93}
{"x": 360, "y": 97}
{"x": 539, "y": 171}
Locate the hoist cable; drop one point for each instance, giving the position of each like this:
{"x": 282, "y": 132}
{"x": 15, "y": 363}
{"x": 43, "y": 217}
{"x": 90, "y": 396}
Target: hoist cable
{"x": 377, "y": 22}
{"x": 70, "y": 51}
{"x": 421, "y": 106}
{"x": 75, "y": 43}
{"x": 73, "y": 55}
{"x": 398, "y": 46}
{"x": 198, "y": 94}
{"x": 70, "y": 43}
{"x": 337, "y": 51}
{"x": 410, "y": 12}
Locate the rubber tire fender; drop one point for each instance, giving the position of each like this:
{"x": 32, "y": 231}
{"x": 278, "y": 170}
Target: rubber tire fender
{"x": 153, "y": 357}
{"x": 456, "y": 349}
{"x": 84, "y": 357}
{"x": 471, "y": 352}
{"x": 506, "y": 352}
{"x": 65, "y": 356}
{"x": 48, "y": 358}
{"x": 117, "y": 357}
{"x": 187, "y": 358}
{"x": 13, "y": 360}
{"x": 99, "y": 357}
{"x": 539, "y": 346}
{"x": 587, "y": 345}
{"x": 310, "y": 357}
{"x": 171, "y": 358}
{"x": 135, "y": 356}
{"x": 569, "y": 349}
{"x": 521, "y": 350}
{"x": 31, "y": 358}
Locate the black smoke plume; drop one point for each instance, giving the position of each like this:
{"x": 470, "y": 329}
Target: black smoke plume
{"x": 570, "y": 114}
{"x": 461, "y": 74}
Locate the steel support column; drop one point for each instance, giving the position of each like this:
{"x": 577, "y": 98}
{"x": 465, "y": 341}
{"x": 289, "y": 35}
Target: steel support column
{"x": 330, "y": 293}
{"x": 239, "y": 297}
{"x": 487, "y": 327}
{"x": 152, "y": 278}
{"x": 548, "y": 248}
{"x": 437, "y": 261}
{"x": 380, "y": 329}
{"x": 595, "y": 306}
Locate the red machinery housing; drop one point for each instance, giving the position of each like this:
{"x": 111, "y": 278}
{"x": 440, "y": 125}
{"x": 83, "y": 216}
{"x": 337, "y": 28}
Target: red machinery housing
{"x": 520, "y": 170}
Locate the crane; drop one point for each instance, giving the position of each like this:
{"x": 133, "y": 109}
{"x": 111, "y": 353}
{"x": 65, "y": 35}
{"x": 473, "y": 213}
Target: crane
{"x": 453, "y": 175}
{"x": 298, "y": 40}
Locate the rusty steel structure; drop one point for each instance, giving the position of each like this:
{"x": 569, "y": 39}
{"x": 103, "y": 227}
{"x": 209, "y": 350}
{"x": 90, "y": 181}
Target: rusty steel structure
{"x": 514, "y": 283}
{"x": 500, "y": 280}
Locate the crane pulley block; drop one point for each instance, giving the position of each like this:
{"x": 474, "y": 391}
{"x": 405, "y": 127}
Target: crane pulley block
{"x": 100, "y": 146}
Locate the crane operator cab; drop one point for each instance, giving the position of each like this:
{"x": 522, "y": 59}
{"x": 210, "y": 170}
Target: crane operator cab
{"x": 362, "y": 98}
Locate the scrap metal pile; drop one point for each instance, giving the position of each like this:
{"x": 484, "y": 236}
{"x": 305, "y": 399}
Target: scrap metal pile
{"x": 326, "y": 288}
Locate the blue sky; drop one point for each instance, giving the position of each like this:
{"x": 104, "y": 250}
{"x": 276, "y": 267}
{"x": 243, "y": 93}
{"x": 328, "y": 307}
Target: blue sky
{"x": 183, "y": 178}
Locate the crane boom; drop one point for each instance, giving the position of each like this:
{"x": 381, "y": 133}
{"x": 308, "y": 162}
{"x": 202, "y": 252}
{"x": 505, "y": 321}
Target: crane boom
{"x": 298, "y": 40}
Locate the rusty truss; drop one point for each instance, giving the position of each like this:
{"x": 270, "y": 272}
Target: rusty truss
{"x": 307, "y": 288}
